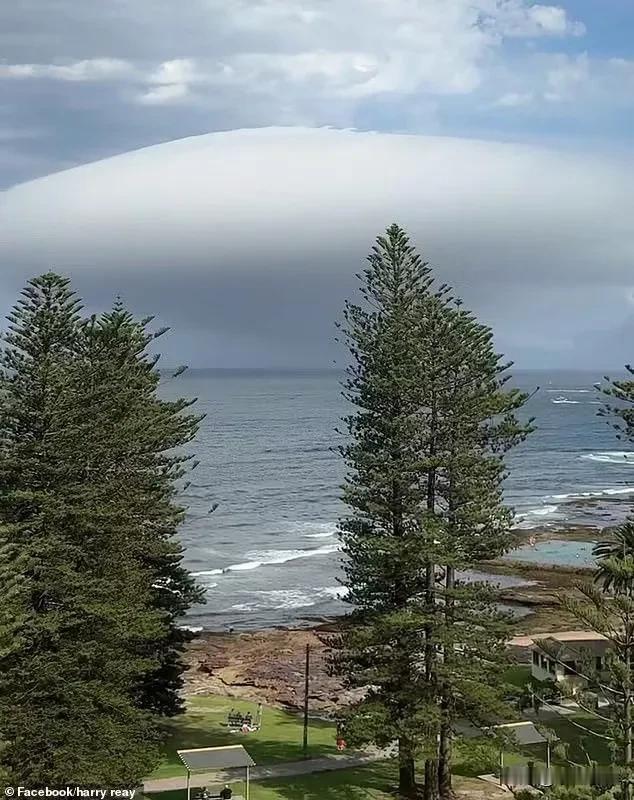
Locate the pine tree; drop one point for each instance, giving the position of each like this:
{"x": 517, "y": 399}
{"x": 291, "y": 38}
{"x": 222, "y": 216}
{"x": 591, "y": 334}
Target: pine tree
{"x": 142, "y": 450}
{"x": 477, "y": 424}
{"x": 387, "y": 549}
{"x": 75, "y": 610}
{"x": 425, "y": 483}
{"x": 90, "y": 646}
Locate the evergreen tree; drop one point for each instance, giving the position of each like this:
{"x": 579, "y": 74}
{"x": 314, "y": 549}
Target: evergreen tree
{"x": 477, "y": 424}
{"x": 425, "y": 455}
{"x": 142, "y": 449}
{"x": 90, "y": 571}
{"x": 75, "y": 608}
{"x": 387, "y": 549}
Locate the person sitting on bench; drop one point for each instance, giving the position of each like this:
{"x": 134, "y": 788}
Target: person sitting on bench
{"x": 226, "y": 793}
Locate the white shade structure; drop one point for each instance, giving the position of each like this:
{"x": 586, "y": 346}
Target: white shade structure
{"x": 212, "y": 759}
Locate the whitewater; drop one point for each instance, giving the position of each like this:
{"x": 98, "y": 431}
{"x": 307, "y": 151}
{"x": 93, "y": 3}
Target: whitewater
{"x": 269, "y": 554}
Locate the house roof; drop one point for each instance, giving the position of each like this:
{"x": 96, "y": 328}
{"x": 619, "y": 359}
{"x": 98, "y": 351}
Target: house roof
{"x": 574, "y": 636}
{"x": 559, "y": 636}
{"x": 212, "y": 758}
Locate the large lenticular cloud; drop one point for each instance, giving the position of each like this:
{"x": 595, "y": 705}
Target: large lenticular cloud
{"x": 252, "y": 233}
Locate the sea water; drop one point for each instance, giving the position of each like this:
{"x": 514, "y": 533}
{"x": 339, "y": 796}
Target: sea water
{"x": 269, "y": 555}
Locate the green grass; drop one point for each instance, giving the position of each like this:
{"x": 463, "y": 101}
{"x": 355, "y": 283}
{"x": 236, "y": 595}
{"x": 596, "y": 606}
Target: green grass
{"x": 577, "y": 739}
{"x": 279, "y": 739}
{"x": 371, "y": 782}
{"x": 518, "y": 675}
{"x": 363, "y": 783}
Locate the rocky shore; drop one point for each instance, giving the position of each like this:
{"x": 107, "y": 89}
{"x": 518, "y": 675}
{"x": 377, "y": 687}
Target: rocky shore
{"x": 268, "y": 666}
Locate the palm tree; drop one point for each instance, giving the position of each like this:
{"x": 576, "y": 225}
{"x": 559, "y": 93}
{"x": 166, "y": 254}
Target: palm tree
{"x": 615, "y": 559}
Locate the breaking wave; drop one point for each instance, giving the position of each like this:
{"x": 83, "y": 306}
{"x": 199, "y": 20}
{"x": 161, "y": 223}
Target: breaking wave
{"x": 315, "y": 530}
{"x": 288, "y": 599}
{"x": 529, "y": 518}
{"x": 625, "y": 490}
{"x": 611, "y": 457}
{"x": 270, "y": 557}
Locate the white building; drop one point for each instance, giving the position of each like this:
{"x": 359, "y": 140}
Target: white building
{"x": 563, "y": 656}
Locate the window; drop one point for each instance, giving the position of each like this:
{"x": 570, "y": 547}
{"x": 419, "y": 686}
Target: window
{"x": 551, "y": 666}
{"x": 535, "y": 658}
{"x": 570, "y": 667}
{"x": 598, "y": 663}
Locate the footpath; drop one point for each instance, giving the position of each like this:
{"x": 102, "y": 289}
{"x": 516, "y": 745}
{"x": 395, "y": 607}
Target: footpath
{"x": 287, "y": 769}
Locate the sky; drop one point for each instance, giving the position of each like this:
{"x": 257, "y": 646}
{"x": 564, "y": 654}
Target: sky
{"x": 499, "y": 132}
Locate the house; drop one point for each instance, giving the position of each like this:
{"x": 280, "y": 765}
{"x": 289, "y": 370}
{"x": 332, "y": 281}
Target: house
{"x": 563, "y": 656}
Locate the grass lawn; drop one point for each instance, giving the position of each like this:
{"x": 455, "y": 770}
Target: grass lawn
{"x": 518, "y": 675}
{"x": 363, "y": 783}
{"x": 279, "y": 739}
{"x": 371, "y": 782}
{"x": 578, "y": 740}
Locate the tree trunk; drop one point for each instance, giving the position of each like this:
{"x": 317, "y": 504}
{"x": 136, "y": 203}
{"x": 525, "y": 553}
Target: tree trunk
{"x": 431, "y": 764}
{"x": 445, "y": 747}
{"x": 406, "y": 770}
{"x": 628, "y": 794}
{"x": 431, "y": 779}
{"x": 445, "y": 790}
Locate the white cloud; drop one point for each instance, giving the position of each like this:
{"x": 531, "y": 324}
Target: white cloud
{"x": 92, "y": 69}
{"x": 564, "y": 216}
{"x": 256, "y": 234}
{"x": 566, "y": 77}
{"x": 352, "y": 50}
{"x": 514, "y": 100}
{"x": 164, "y": 95}
{"x": 177, "y": 71}
{"x": 400, "y": 47}
{"x": 554, "y": 20}
{"x": 171, "y": 82}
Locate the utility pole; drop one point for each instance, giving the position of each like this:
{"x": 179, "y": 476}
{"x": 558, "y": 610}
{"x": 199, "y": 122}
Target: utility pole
{"x": 306, "y": 689}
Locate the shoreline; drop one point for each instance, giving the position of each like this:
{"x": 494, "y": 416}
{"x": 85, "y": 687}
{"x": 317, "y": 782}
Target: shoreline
{"x": 267, "y": 665}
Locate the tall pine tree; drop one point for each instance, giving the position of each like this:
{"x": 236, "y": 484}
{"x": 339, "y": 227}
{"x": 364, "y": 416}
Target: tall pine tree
{"x": 142, "y": 449}
{"x": 477, "y": 424}
{"x": 425, "y": 484}
{"x": 387, "y": 548}
{"x": 76, "y": 610}
{"x": 89, "y": 567}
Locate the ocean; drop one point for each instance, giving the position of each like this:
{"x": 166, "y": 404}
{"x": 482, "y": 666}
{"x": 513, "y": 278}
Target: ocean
{"x": 268, "y": 555}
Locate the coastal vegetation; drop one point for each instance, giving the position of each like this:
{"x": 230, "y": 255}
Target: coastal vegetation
{"x": 606, "y": 606}
{"x": 93, "y": 650}
{"x": 91, "y": 579}
{"x": 425, "y": 464}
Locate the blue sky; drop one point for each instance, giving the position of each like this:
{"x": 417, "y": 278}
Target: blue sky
{"x": 85, "y": 81}
{"x": 80, "y": 81}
